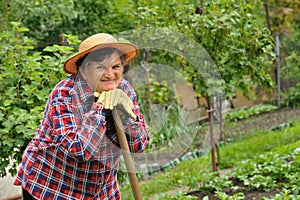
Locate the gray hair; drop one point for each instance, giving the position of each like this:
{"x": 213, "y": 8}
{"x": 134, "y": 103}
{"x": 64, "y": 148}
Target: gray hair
{"x": 99, "y": 55}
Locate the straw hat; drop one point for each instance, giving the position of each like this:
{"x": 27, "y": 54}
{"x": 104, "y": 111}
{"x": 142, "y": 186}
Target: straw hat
{"x": 99, "y": 41}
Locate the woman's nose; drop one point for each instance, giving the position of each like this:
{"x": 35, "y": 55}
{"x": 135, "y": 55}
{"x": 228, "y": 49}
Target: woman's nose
{"x": 109, "y": 72}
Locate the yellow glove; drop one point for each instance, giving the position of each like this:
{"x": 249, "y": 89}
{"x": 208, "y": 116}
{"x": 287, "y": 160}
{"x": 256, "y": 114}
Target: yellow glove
{"x": 110, "y": 99}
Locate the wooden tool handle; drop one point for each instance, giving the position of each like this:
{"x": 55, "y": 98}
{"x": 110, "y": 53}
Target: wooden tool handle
{"x": 127, "y": 156}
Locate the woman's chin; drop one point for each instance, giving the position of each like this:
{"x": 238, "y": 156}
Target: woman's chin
{"x": 109, "y": 88}
{"x": 108, "y": 85}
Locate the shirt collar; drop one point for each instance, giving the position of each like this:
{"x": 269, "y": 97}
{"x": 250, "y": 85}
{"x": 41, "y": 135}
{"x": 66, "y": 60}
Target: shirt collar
{"x": 82, "y": 89}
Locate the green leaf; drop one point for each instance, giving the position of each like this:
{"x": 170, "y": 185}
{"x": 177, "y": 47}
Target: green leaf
{"x": 7, "y": 103}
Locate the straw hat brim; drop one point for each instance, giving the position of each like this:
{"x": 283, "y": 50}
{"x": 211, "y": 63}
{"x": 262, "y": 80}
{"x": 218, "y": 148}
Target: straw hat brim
{"x": 130, "y": 51}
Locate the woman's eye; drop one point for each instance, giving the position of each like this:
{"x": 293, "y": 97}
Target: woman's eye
{"x": 116, "y": 67}
{"x": 100, "y": 67}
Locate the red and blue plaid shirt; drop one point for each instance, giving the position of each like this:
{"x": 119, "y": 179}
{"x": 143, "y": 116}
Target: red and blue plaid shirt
{"x": 74, "y": 154}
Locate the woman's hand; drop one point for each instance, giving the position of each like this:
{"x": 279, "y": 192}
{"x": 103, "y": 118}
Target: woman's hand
{"x": 110, "y": 99}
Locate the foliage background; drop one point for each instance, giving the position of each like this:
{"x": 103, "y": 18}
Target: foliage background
{"x": 38, "y": 35}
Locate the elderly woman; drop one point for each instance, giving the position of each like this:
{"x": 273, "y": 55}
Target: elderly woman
{"x": 75, "y": 152}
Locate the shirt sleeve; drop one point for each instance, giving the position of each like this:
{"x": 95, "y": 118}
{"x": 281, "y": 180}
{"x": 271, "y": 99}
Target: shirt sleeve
{"x": 79, "y": 135}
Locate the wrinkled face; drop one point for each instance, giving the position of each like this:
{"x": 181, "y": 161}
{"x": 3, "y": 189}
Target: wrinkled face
{"x": 104, "y": 75}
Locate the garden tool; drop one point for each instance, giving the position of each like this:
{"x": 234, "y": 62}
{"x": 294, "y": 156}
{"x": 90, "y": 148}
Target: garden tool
{"x": 127, "y": 156}
{"x": 110, "y": 100}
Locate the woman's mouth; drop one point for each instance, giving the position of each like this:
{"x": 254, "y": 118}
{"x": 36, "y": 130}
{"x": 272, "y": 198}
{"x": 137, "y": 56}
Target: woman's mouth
{"x": 108, "y": 81}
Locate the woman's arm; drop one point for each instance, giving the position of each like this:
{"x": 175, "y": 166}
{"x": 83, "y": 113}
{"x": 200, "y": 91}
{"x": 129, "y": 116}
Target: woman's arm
{"x": 81, "y": 134}
{"x": 136, "y": 130}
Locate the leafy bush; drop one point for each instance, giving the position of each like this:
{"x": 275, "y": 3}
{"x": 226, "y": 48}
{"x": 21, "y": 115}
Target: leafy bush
{"x": 224, "y": 196}
{"x": 261, "y": 173}
{"x": 292, "y": 97}
{"x": 284, "y": 194}
{"x": 245, "y": 113}
{"x": 268, "y": 171}
{"x": 26, "y": 79}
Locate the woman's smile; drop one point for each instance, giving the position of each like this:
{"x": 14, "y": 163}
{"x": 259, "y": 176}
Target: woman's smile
{"x": 105, "y": 75}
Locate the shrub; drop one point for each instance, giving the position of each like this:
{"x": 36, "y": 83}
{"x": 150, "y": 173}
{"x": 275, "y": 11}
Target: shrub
{"x": 26, "y": 79}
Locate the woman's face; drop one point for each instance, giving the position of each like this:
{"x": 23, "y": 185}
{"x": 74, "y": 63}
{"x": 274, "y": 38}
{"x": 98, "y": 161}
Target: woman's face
{"x": 104, "y": 75}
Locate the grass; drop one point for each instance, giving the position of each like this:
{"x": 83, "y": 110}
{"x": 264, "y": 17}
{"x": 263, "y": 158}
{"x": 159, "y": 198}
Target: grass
{"x": 187, "y": 173}
{"x": 258, "y": 143}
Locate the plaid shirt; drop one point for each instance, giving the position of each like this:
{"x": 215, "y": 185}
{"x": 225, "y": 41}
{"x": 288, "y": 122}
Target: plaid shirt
{"x": 75, "y": 151}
